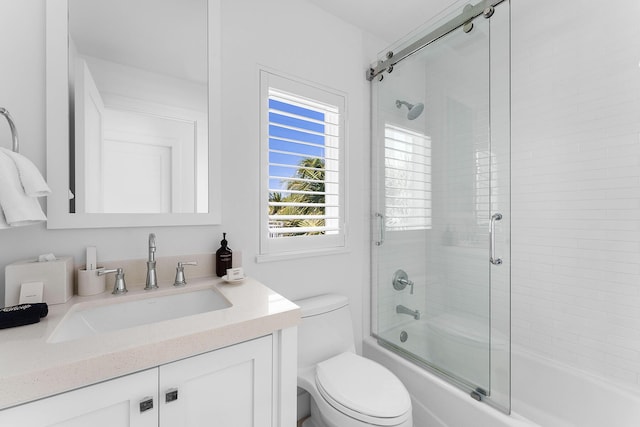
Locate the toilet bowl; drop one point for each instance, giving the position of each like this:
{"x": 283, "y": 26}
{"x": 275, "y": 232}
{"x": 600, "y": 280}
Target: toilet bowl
{"x": 346, "y": 390}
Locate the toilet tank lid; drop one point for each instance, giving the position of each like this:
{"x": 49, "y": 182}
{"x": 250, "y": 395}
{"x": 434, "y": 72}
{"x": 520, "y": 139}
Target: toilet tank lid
{"x": 321, "y": 304}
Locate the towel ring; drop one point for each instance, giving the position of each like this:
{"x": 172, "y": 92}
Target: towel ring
{"x": 14, "y": 131}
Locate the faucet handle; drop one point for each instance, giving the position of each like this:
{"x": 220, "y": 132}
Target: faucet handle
{"x": 401, "y": 280}
{"x": 119, "y": 287}
{"x": 180, "y": 279}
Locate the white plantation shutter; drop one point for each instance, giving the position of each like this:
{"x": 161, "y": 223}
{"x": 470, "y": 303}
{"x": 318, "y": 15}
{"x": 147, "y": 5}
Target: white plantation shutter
{"x": 302, "y": 133}
{"x": 303, "y": 130}
{"x": 486, "y": 185}
{"x": 407, "y": 165}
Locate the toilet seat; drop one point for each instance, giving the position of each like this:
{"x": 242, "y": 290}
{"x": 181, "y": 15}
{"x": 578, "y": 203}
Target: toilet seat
{"x": 362, "y": 389}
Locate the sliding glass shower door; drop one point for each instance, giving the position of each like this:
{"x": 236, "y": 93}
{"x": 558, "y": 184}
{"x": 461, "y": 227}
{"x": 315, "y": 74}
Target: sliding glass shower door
{"x": 441, "y": 207}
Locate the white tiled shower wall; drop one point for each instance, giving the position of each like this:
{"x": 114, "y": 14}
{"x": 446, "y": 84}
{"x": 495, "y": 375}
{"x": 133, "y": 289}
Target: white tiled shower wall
{"x": 576, "y": 183}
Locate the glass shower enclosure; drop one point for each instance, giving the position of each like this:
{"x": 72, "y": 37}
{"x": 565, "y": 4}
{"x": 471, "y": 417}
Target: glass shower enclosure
{"x": 441, "y": 207}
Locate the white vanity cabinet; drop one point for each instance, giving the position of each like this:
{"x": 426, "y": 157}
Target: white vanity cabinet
{"x": 233, "y": 386}
{"x": 114, "y": 403}
{"x": 228, "y": 387}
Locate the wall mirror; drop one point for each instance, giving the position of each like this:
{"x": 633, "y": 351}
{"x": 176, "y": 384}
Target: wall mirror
{"x": 133, "y": 112}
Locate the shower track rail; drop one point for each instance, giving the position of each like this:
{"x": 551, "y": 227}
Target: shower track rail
{"x": 469, "y": 13}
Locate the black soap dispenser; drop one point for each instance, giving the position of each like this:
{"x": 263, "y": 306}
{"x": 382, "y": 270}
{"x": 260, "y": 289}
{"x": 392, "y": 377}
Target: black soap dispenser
{"x": 223, "y": 257}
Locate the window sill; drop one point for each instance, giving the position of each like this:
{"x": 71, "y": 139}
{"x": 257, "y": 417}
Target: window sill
{"x": 263, "y": 258}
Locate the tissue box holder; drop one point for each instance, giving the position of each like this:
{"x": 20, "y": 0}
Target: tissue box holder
{"x": 57, "y": 277}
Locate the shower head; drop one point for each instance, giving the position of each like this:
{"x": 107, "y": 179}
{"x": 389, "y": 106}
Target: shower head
{"x": 414, "y": 110}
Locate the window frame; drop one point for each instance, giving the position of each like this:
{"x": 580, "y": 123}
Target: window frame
{"x": 276, "y": 247}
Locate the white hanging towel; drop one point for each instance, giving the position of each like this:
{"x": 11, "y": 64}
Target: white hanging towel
{"x": 32, "y": 181}
{"x": 19, "y": 209}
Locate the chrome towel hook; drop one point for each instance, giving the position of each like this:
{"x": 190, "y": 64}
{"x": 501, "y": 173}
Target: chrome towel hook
{"x": 14, "y": 131}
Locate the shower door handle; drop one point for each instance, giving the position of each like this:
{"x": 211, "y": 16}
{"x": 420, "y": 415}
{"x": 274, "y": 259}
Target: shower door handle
{"x": 380, "y": 219}
{"x": 492, "y": 239}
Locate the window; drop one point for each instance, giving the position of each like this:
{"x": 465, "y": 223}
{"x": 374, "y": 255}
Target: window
{"x": 302, "y": 136}
{"x": 407, "y": 179}
{"x": 485, "y": 185}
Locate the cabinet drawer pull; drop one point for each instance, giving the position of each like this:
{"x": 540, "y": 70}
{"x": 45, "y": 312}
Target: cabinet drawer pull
{"x": 146, "y": 404}
{"x": 171, "y": 395}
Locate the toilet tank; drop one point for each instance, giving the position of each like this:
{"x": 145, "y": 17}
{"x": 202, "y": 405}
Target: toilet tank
{"x": 326, "y": 329}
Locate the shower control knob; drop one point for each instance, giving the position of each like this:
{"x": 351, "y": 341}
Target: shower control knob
{"x": 401, "y": 280}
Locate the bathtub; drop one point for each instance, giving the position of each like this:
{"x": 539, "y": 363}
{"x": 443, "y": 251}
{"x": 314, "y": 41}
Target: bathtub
{"x": 554, "y": 394}
{"x": 544, "y": 394}
{"x": 436, "y": 403}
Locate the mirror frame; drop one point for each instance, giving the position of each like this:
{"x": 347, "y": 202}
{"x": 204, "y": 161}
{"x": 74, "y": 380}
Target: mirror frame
{"x": 57, "y": 132}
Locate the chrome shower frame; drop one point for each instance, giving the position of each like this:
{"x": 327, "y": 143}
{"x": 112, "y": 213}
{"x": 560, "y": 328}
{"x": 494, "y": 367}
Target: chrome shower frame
{"x": 470, "y": 12}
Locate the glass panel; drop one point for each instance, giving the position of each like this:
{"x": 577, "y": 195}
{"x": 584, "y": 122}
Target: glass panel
{"x": 437, "y": 181}
{"x": 500, "y": 283}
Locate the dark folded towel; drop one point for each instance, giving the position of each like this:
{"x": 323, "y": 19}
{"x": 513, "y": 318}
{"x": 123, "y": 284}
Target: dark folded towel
{"x": 23, "y": 314}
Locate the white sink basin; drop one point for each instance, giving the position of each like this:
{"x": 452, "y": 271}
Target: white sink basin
{"x": 129, "y": 313}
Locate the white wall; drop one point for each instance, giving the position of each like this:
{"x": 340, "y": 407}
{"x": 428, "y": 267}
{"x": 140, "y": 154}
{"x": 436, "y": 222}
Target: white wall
{"x": 288, "y": 35}
{"x": 576, "y": 184}
{"x": 125, "y": 80}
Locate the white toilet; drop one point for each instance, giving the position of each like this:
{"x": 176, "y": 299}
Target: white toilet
{"x": 346, "y": 390}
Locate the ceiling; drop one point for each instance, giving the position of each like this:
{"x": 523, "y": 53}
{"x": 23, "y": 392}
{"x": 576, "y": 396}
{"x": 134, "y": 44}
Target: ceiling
{"x": 112, "y": 30}
{"x": 389, "y": 20}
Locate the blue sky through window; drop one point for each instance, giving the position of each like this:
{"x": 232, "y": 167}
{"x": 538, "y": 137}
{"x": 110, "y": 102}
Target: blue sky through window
{"x": 284, "y": 139}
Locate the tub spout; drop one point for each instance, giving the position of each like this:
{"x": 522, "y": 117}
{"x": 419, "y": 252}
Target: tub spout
{"x": 404, "y": 310}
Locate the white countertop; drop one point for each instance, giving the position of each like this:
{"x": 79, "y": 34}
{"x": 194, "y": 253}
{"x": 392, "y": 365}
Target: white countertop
{"x": 32, "y": 368}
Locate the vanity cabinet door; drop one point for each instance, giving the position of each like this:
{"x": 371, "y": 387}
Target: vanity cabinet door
{"x": 232, "y": 386}
{"x": 130, "y": 401}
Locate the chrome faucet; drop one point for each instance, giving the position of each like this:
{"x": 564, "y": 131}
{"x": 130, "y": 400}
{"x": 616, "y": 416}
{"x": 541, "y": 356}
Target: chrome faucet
{"x": 404, "y": 310}
{"x": 152, "y": 278}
